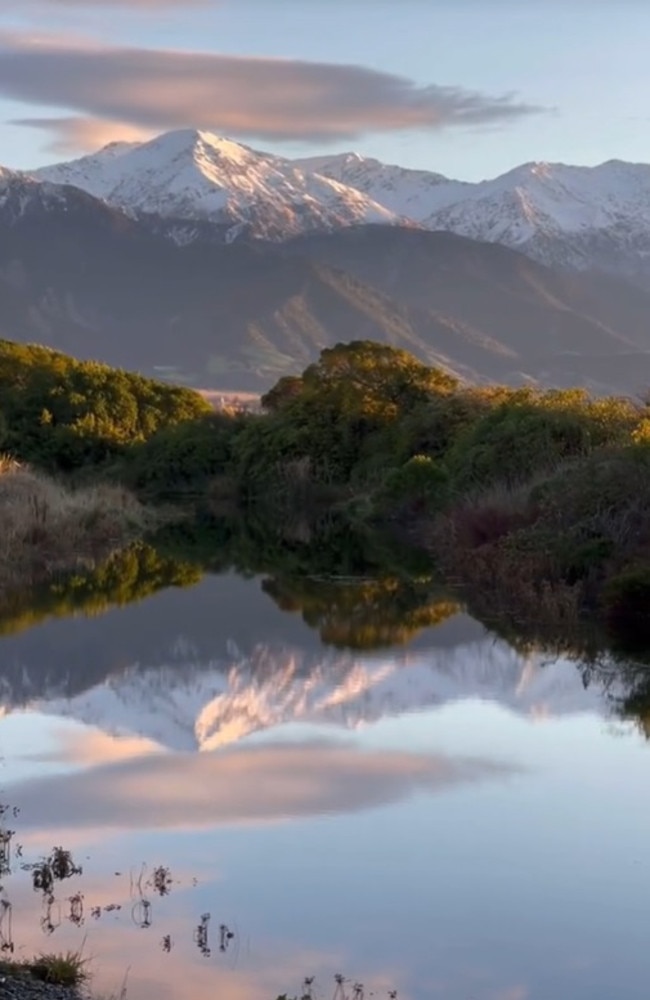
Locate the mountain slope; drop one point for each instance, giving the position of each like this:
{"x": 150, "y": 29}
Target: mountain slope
{"x": 86, "y": 278}
{"x": 195, "y": 175}
{"x": 92, "y": 280}
{"x": 499, "y": 311}
{"x": 580, "y": 218}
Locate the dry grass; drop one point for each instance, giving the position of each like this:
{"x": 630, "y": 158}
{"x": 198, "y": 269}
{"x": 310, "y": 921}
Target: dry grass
{"x": 46, "y": 529}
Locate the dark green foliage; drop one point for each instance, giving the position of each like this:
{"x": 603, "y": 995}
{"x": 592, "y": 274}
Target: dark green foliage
{"x": 63, "y": 414}
{"x": 626, "y": 600}
{"x": 529, "y": 432}
{"x": 184, "y": 457}
{"x": 419, "y": 486}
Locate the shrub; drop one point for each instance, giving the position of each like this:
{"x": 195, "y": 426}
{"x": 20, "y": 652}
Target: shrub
{"x": 184, "y": 457}
{"x": 529, "y": 432}
{"x": 420, "y": 485}
{"x": 65, "y": 969}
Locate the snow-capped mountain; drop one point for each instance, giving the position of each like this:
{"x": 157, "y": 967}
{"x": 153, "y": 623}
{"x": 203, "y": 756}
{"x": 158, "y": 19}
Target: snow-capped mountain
{"x": 573, "y": 217}
{"x": 563, "y": 216}
{"x": 576, "y": 217}
{"x": 203, "y": 706}
{"x": 195, "y": 175}
{"x": 408, "y": 193}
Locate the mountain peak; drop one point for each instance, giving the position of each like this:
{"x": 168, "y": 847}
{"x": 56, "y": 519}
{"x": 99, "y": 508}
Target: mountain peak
{"x": 197, "y": 141}
{"x": 191, "y": 174}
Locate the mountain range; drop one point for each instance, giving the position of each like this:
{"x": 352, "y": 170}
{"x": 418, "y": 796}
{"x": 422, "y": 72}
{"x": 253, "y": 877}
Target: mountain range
{"x": 563, "y": 216}
{"x": 198, "y": 258}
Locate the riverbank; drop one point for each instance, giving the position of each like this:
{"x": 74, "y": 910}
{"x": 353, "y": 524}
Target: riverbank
{"x": 47, "y": 529}
{"x": 53, "y": 977}
{"x": 23, "y": 986}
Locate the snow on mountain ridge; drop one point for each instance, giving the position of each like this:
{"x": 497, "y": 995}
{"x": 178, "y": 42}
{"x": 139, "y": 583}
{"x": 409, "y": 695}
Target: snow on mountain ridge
{"x": 196, "y": 175}
{"x": 408, "y": 193}
{"x": 563, "y": 216}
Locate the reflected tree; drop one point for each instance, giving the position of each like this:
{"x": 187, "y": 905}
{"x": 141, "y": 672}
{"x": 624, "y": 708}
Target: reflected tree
{"x": 364, "y": 614}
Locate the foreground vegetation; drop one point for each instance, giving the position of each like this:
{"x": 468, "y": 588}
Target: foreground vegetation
{"x": 62, "y": 423}
{"x": 57, "y": 968}
{"x": 47, "y": 528}
{"x": 535, "y": 503}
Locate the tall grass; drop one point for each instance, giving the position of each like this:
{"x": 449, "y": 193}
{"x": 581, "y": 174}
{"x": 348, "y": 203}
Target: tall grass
{"x": 46, "y": 528}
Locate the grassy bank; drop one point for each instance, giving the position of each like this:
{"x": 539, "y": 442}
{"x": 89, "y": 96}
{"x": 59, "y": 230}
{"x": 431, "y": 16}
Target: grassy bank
{"x": 47, "y": 528}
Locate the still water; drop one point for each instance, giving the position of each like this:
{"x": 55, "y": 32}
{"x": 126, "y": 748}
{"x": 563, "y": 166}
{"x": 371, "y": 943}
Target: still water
{"x": 253, "y": 804}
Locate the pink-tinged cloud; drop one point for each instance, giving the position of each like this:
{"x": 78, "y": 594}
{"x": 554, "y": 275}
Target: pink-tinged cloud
{"x": 241, "y": 786}
{"x": 270, "y": 99}
{"x": 72, "y": 135}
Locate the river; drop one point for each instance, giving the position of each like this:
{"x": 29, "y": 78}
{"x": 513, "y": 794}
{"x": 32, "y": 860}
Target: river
{"x": 266, "y": 783}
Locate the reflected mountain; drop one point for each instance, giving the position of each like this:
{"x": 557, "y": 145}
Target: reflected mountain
{"x": 148, "y": 646}
{"x": 205, "y": 705}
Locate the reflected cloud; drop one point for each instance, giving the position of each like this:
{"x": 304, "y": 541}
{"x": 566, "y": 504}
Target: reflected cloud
{"x": 253, "y": 785}
{"x": 92, "y": 747}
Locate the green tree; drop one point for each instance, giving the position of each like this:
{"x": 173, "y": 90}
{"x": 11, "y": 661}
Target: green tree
{"x": 62, "y": 413}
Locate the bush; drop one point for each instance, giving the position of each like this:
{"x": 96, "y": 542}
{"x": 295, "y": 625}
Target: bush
{"x": 420, "y": 485}
{"x": 531, "y": 432}
{"x": 184, "y": 457}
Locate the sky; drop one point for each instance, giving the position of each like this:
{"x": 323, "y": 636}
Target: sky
{"x": 467, "y": 88}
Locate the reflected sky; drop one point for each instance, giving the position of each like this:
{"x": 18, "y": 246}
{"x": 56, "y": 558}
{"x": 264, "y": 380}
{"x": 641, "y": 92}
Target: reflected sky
{"x": 463, "y": 825}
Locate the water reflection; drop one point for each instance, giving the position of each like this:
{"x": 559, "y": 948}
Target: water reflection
{"x": 264, "y": 781}
{"x": 242, "y": 785}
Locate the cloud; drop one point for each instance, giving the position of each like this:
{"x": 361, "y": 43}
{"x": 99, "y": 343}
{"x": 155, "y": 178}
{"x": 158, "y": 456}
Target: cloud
{"x": 260, "y": 784}
{"x": 269, "y": 99}
{"x": 70, "y": 135}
